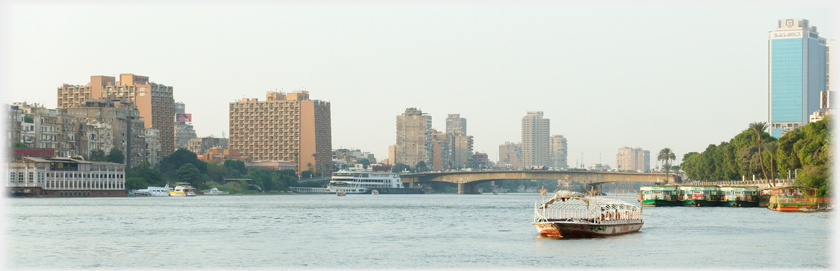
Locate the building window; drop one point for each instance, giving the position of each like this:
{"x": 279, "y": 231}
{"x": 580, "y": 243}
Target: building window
{"x": 20, "y": 177}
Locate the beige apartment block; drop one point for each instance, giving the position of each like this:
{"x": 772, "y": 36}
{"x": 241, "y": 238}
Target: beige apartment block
{"x": 288, "y": 127}
{"x": 94, "y": 135}
{"x": 535, "y": 144}
{"x": 414, "y": 138}
{"x": 509, "y": 155}
{"x": 153, "y": 146}
{"x": 462, "y": 149}
{"x": 392, "y": 155}
{"x": 41, "y": 128}
{"x": 124, "y": 118}
{"x": 154, "y": 101}
{"x": 632, "y": 159}
{"x": 456, "y": 122}
{"x": 202, "y": 144}
{"x": 441, "y": 151}
{"x": 559, "y": 151}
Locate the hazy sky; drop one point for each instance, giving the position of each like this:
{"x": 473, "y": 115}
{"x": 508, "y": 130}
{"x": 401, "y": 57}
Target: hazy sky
{"x": 607, "y": 74}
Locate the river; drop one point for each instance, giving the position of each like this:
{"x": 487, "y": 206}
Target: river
{"x": 390, "y": 231}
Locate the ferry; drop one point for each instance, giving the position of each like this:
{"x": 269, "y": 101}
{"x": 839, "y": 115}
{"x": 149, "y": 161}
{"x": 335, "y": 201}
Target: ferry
{"x": 182, "y": 190}
{"x": 660, "y": 195}
{"x": 739, "y": 196}
{"x": 700, "y": 195}
{"x": 572, "y": 214}
{"x": 797, "y": 199}
{"x": 359, "y": 180}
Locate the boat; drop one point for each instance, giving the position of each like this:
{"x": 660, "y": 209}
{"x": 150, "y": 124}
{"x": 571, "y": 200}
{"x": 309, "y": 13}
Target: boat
{"x": 154, "y": 191}
{"x": 699, "y": 195}
{"x": 182, "y": 190}
{"x": 360, "y": 180}
{"x": 660, "y": 195}
{"x": 573, "y": 214}
{"x": 764, "y": 197}
{"x": 738, "y": 196}
{"x": 215, "y": 191}
{"x": 797, "y": 199}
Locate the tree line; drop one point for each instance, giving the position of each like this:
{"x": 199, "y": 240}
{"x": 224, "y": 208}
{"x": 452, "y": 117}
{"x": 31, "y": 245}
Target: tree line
{"x": 804, "y": 151}
{"x": 184, "y": 166}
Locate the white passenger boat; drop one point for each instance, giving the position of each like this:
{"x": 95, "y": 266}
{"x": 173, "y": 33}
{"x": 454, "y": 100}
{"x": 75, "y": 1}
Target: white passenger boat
{"x": 182, "y": 190}
{"x": 359, "y": 180}
{"x": 215, "y": 191}
{"x": 572, "y": 214}
{"x": 154, "y": 191}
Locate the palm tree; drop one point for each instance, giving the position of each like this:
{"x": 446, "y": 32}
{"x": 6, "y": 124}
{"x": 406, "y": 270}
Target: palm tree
{"x": 758, "y": 128}
{"x": 666, "y": 155}
{"x": 771, "y": 148}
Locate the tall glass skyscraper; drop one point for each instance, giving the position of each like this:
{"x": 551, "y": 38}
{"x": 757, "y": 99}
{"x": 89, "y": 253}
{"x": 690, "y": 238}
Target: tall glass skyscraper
{"x": 797, "y": 74}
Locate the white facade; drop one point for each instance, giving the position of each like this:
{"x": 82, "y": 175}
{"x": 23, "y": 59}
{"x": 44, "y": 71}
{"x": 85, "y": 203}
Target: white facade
{"x": 65, "y": 174}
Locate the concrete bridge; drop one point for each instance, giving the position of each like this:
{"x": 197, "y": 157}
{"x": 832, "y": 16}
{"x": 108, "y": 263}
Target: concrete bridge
{"x": 468, "y": 180}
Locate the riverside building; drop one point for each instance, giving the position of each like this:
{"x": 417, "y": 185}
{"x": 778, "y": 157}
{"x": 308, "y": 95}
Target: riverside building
{"x": 798, "y": 73}
{"x": 284, "y": 127}
{"x": 154, "y": 101}
{"x": 37, "y": 173}
{"x": 559, "y": 152}
{"x": 632, "y": 159}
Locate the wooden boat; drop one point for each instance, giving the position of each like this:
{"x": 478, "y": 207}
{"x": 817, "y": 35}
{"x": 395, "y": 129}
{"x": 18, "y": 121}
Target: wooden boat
{"x": 699, "y": 195}
{"x": 738, "y": 196}
{"x": 660, "y": 195}
{"x": 797, "y": 199}
{"x": 572, "y": 214}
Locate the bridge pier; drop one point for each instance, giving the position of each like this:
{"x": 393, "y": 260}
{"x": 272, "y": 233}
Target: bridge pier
{"x": 467, "y": 188}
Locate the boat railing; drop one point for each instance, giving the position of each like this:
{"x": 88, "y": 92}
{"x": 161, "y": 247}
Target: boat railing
{"x": 800, "y": 200}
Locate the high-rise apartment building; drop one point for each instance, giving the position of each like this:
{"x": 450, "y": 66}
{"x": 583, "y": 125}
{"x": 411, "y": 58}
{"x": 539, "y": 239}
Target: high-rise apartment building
{"x": 154, "y": 101}
{"x": 184, "y": 131}
{"x": 202, "y": 144}
{"x": 153, "y": 146}
{"x": 286, "y": 126}
{"x": 632, "y": 159}
{"x": 462, "y": 149}
{"x": 535, "y": 144}
{"x": 797, "y": 60}
{"x": 455, "y": 122}
{"x": 559, "y": 151}
{"x": 441, "y": 151}
{"x": 414, "y": 138}
{"x": 509, "y": 155}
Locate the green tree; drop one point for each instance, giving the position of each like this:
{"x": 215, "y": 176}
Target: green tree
{"x": 215, "y": 172}
{"x": 19, "y": 145}
{"x": 666, "y": 155}
{"x": 758, "y": 128}
{"x": 770, "y": 149}
{"x": 97, "y": 155}
{"x": 421, "y": 167}
{"x": 135, "y": 183}
{"x": 189, "y": 173}
{"x": 174, "y": 161}
{"x": 364, "y": 162}
{"x": 145, "y": 171}
{"x": 234, "y": 164}
{"x": 116, "y": 156}
{"x": 400, "y": 167}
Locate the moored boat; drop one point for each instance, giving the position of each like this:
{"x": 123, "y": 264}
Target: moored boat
{"x": 738, "y": 196}
{"x": 182, "y": 190}
{"x": 572, "y": 214}
{"x": 797, "y": 199}
{"x": 360, "y": 180}
{"x": 153, "y": 191}
{"x": 215, "y": 191}
{"x": 660, "y": 195}
{"x": 699, "y": 195}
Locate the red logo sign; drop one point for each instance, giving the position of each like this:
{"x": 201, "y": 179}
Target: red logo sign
{"x": 33, "y": 152}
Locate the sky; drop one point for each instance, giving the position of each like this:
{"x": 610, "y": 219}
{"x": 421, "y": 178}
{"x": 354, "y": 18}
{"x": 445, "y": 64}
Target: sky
{"x": 680, "y": 75}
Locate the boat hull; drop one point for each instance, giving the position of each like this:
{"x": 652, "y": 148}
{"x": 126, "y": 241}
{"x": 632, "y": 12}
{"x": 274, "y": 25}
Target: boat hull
{"x": 659, "y": 203}
{"x": 699, "y": 203}
{"x": 574, "y": 229}
{"x": 738, "y": 203}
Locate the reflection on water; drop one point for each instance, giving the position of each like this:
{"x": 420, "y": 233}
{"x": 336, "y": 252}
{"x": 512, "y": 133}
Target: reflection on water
{"x": 390, "y": 231}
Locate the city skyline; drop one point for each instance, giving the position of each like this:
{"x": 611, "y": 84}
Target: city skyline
{"x": 489, "y": 63}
